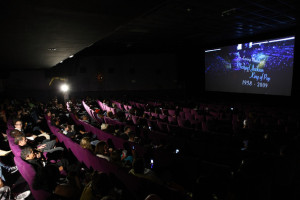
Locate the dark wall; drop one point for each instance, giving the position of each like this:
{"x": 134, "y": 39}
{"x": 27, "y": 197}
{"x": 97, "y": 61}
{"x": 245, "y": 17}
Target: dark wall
{"x": 181, "y": 71}
{"x": 124, "y": 72}
{"x": 128, "y": 72}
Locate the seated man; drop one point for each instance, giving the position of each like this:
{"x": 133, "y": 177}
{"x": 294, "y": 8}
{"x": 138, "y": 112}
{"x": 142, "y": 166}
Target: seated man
{"x": 14, "y": 133}
{"x": 47, "y": 174}
{"x": 68, "y": 130}
{"x": 126, "y": 132}
{"x": 45, "y": 146}
{"x": 19, "y": 126}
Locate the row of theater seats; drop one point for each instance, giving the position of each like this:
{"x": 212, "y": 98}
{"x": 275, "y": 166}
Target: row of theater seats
{"x": 155, "y": 136}
{"x": 101, "y": 135}
{"x": 224, "y": 117}
{"x": 171, "y": 118}
{"x": 25, "y": 169}
{"x": 176, "y": 125}
{"x": 91, "y": 161}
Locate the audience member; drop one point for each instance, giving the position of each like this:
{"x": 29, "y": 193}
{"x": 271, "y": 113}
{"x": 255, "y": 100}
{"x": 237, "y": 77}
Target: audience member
{"x": 126, "y": 132}
{"x": 86, "y": 144}
{"x": 101, "y": 150}
{"x": 141, "y": 171}
{"x": 99, "y": 187}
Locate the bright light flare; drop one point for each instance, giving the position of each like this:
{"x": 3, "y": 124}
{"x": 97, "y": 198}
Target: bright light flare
{"x": 64, "y": 88}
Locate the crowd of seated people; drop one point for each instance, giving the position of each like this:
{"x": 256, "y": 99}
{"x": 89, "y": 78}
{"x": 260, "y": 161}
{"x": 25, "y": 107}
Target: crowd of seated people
{"x": 256, "y": 159}
{"x": 59, "y": 175}
{"x": 247, "y": 132}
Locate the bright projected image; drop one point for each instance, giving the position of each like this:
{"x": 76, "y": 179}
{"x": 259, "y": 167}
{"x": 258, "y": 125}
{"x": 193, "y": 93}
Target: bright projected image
{"x": 264, "y": 67}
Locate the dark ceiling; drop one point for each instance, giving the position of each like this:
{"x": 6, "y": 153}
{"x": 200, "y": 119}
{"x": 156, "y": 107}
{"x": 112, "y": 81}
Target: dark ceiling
{"x": 39, "y": 34}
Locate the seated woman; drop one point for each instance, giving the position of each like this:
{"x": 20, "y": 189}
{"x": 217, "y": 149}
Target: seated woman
{"x": 86, "y": 144}
{"x": 101, "y": 150}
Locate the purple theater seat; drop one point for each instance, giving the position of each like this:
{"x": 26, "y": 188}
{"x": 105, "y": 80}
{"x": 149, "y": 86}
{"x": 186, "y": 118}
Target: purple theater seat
{"x": 199, "y": 118}
{"x": 174, "y": 129}
{"x": 181, "y": 122}
{"x": 194, "y": 112}
{"x": 209, "y": 117}
{"x": 113, "y": 110}
{"x": 162, "y": 126}
{"x": 172, "y": 112}
{"x": 59, "y": 136}
{"x": 129, "y": 107}
{"x": 87, "y": 158}
{"x": 204, "y": 126}
{"x": 67, "y": 141}
{"x": 93, "y": 116}
{"x": 214, "y": 114}
{"x": 87, "y": 108}
{"x": 100, "y": 164}
{"x": 77, "y": 150}
{"x": 152, "y": 123}
{"x": 74, "y": 119}
{"x": 86, "y": 126}
{"x": 101, "y": 105}
{"x": 128, "y": 116}
{"x": 8, "y": 134}
{"x": 15, "y": 149}
{"x": 10, "y": 124}
{"x": 154, "y": 115}
{"x": 113, "y": 122}
{"x": 8, "y": 131}
{"x": 134, "y": 119}
{"x": 182, "y": 115}
{"x": 132, "y": 103}
{"x": 148, "y": 113}
{"x": 172, "y": 120}
{"x": 189, "y": 116}
{"x": 186, "y": 110}
{"x": 119, "y": 105}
